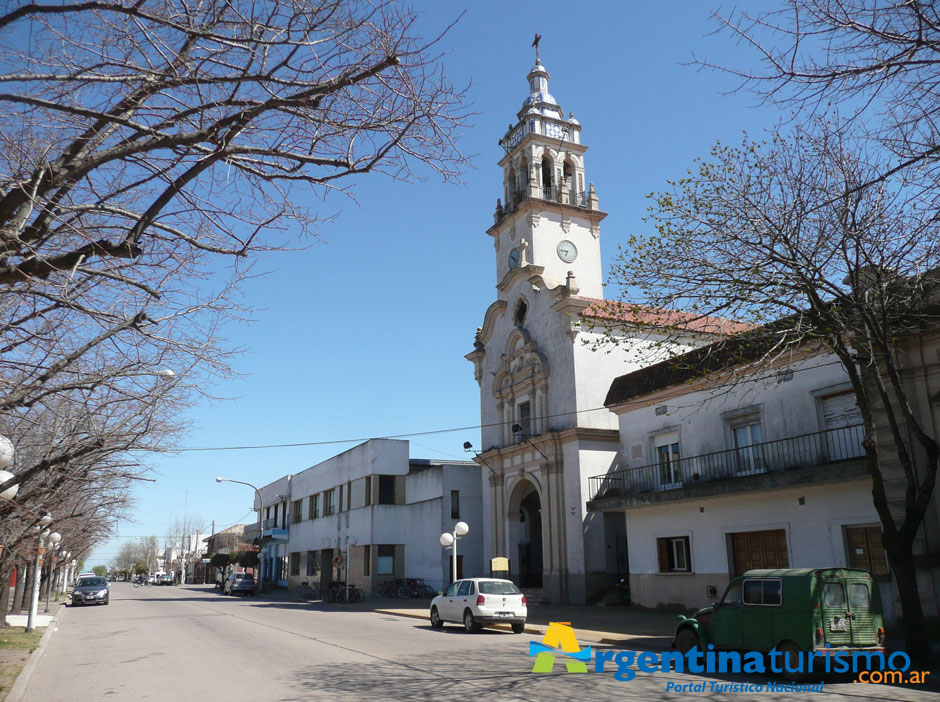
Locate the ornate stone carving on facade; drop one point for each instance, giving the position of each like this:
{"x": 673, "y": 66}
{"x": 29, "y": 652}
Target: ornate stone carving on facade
{"x": 566, "y": 223}
{"x": 534, "y": 218}
{"x": 595, "y": 230}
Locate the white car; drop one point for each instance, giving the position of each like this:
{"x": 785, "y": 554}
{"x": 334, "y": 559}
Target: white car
{"x": 476, "y": 602}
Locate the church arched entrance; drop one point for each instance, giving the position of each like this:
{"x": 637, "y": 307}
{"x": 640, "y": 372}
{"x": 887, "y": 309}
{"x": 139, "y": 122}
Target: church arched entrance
{"x": 526, "y": 534}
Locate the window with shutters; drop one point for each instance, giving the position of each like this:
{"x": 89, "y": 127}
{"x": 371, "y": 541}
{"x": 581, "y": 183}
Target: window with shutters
{"x": 866, "y": 550}
{"x": 674, "y": 554}
{"x": 842, "y": 422}
{"x": 313, "y": 506}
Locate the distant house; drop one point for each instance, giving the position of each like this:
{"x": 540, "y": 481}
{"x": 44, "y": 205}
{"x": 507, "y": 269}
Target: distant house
{"x": 722, "y": 472}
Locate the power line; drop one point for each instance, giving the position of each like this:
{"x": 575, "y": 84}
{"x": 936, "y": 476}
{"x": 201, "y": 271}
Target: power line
{"x": 434, "y": 432}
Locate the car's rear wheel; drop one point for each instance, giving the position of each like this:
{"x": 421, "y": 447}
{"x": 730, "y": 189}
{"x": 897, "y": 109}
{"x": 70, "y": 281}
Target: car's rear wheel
{"x": 518, "y": 627}
{"x": 686, "y": 640}
{"x": 470, "y": 624}
{"x": 793, "y": 660}
{"x": 436, "y": 620}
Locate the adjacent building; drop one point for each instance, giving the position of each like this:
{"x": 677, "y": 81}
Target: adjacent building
{"x": 725, "y": 470}
{"x": 378, "y": 508}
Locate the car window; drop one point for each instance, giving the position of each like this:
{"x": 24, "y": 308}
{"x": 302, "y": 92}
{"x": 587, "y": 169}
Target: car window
{"x": 495, "y": 587}
{"x": 93, "y": 582}
{"x": 834, "y": 595}
{"x": 772, "y": 592}
{"x": 464, "y": 589}
{"x": 859, "y": 596}
{"x": 451, "y": 590}
{"x": 733, "y": 596}
{"x": 752, "y": 592}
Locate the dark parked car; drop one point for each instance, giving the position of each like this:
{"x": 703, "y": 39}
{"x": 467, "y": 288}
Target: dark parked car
{"x": 165, "y": 579}
{"x": 91, "y": 591}
{"x": 239, "y": 582}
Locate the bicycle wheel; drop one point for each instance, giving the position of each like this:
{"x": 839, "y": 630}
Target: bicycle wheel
{"x": 404, "y": 592}
{"x": 356, "y": 595}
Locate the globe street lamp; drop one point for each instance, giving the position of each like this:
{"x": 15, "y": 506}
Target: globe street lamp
{"x": 450, "y": 539}
{"x": 54, "y": 539}
{"x": 260, "y": 528}
{"x": 6, "y": 455}
{"x": 45, "y": 521}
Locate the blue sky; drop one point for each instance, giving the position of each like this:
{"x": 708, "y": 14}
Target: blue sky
{"x": 364, "y": 334}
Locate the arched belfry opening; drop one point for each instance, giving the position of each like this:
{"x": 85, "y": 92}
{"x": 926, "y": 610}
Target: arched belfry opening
{"x": 547, "y": 167}
{"x": 525, "y": 534}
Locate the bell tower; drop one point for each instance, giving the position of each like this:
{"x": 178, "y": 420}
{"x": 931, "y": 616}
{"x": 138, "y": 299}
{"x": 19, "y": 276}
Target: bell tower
{"x": 548, "y": 221}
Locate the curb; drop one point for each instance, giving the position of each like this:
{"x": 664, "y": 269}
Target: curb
{"x": 609, "y": 637}
{"x": 21, "y": 686}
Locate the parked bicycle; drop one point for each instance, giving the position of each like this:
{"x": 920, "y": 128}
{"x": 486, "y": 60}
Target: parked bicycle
{"x": 337, "y": 594}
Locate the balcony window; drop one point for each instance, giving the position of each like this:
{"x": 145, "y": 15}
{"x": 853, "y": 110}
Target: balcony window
{"x": 674, "y": 554}
{"x": 525, "y": 418}
{"x": 747, "y": 435}
{"x": 666, "y": 448}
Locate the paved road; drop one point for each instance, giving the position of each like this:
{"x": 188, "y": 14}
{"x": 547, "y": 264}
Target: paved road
{"x": 188, "y": 643}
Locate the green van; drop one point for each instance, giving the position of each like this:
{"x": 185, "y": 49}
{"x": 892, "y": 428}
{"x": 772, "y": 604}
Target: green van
{"x": 803, "y": 609}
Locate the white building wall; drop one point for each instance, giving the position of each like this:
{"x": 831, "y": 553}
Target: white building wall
{"x": 814, "y": 535}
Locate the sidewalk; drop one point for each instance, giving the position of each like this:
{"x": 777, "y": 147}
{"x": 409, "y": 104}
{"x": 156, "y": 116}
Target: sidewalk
{"x": 614, "y": 625}
{"x": 618, "y": 626}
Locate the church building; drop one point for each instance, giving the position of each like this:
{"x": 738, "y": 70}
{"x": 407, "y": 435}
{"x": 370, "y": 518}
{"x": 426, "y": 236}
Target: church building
{"x": 545, "y": 429}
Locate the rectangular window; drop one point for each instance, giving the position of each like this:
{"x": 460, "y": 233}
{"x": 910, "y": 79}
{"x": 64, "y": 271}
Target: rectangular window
{"x": 297, "y": 513}
{"x": 866, "y": 551}
{"x": 525, "y": 418}
{"x": 367, "y": 560}
{"x": 314, "y": 506}
{"x": 348, "y": 496}
{"x": 674, "y": 554}
{"x": 313, "y": 564}
{"x": 329, "y": 502}
{"x": 295, "y": 563}
{"x": 385, "y": 563}
{"x": 667, "y": 458}
{"x": 340, "y": 504}
{"x": 386, "y": 489}
{"x": 747, "y": 438}
{"x": 765, "y": 593}
{"x": 368, "y": 490}
{"x": 455, "y": 504}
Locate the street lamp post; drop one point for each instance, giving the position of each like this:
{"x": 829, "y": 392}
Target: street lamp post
{"x": 350, "y": 542}
{"x": 45, "y": 521}
{"x": 450, "y": 539}
{"x": 259, "y": 569}
{"x": 53, "y": 549}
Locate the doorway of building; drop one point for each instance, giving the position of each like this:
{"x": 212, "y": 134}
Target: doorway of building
{"x": 530, "y": 548}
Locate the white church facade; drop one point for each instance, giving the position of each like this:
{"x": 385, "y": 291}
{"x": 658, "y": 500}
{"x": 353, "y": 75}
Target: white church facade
{"x": 542, "y": 386}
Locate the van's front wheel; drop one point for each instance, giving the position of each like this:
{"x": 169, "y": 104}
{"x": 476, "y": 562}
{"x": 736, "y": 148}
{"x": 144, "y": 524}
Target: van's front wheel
{"x": 686, "y": 640}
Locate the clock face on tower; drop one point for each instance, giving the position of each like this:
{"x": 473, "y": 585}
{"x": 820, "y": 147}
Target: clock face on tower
{"x": 567, "y": 251}
{"x": 514, "y": 258}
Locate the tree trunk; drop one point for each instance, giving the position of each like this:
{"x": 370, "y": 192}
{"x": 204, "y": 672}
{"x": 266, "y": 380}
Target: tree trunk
{"x": 6, "y": 569}
{"x": 901, "y": 557}
{"x": 22, "y": 579}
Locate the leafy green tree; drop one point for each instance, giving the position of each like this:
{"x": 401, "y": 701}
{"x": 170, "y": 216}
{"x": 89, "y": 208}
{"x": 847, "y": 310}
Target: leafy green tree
{"x": 100, "y": 570}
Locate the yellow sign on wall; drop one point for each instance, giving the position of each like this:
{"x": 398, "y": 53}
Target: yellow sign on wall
{"x": 499, "y": 564}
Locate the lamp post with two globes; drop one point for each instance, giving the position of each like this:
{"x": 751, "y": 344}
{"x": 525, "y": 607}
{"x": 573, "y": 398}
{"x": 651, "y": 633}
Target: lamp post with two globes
{"x": 54, "y": 538}
{"x": 450, "y": 540}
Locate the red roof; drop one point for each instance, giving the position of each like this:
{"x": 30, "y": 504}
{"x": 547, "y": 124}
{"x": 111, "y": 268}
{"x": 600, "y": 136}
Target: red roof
{"x": 615, "y": 311}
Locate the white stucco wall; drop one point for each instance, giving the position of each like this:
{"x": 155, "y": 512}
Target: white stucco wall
{"x": 787, "y": 409}
{"x": 814, "y": 534}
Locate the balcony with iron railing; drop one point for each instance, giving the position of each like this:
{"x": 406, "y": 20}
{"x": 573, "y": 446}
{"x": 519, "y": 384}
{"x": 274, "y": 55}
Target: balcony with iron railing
{"x": 548, "y": 193}
{"x": 746, "y": 467}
